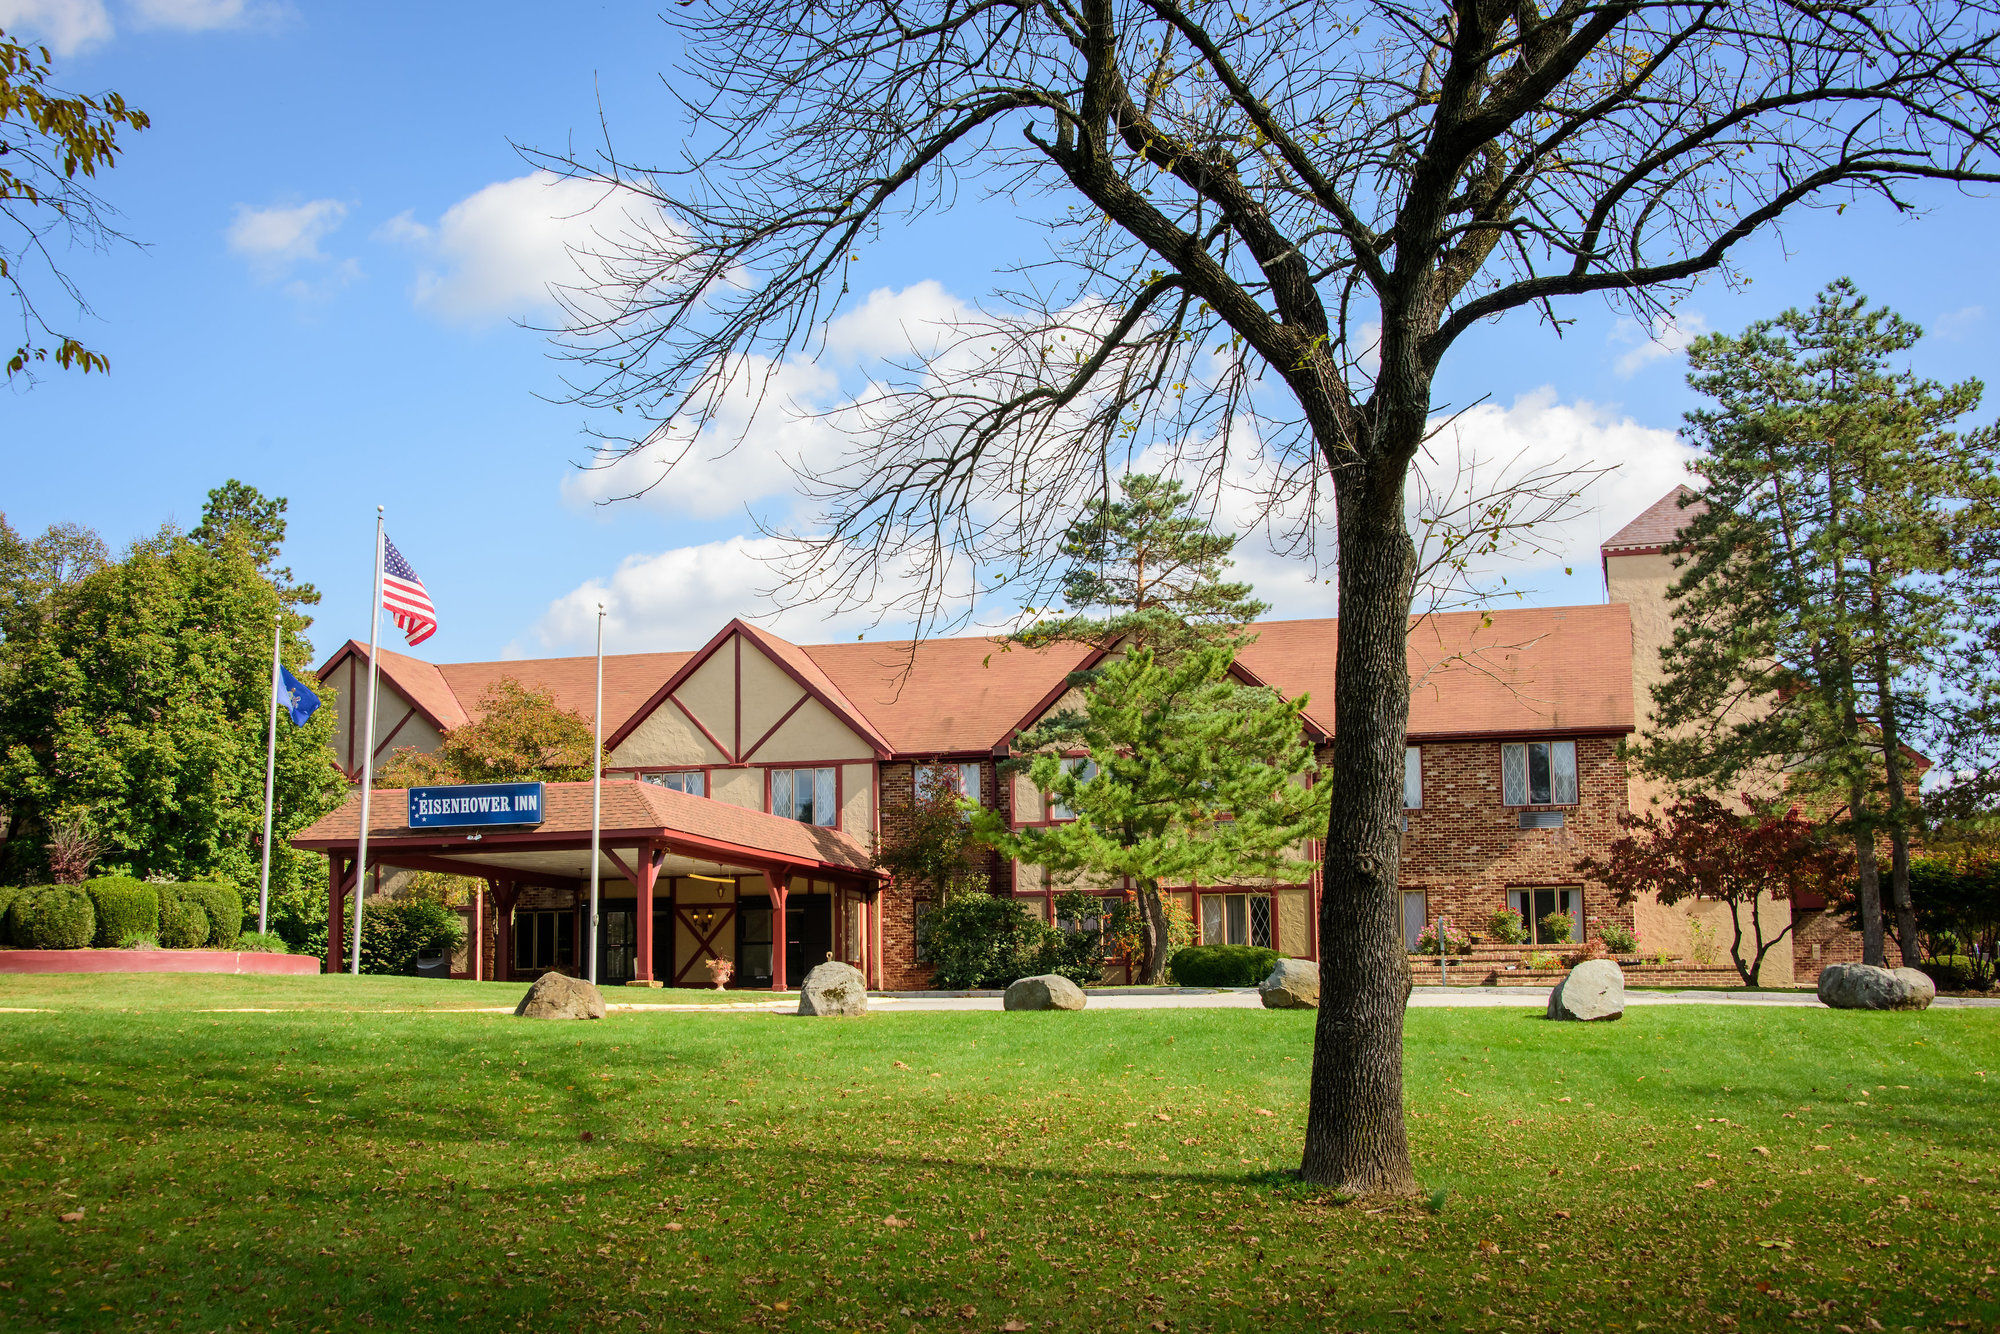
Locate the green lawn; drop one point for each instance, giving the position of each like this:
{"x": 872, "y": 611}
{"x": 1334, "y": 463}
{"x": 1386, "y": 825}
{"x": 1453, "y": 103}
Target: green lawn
{"x": 1687, "y": 1168}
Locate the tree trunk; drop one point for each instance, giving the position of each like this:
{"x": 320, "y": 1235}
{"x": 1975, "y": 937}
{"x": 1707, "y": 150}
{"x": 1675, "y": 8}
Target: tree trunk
{"x": 1869, "y": 873}
{"x": 1899, "y": 809}
{"x": 1155, "y": 914}
{"x": 1355, "y": 1135}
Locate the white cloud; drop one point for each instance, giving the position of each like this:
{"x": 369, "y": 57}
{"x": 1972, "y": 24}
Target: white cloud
{"x": 197, "y": 15}
{"x": 677, "y": 599}
{"x": 1667, "y": 336}
{"x": 892, "y": 323}
{"x": 503, "y": 251}
{"x": 67, "y": 26}
{"x": 764, "y": 429}
{"x": 276, "y": 240}
{"x": 1959, "y": 323}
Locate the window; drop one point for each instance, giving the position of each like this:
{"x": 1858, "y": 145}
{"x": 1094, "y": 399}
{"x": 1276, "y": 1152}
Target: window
{"x": 1085, "y": 769}
{"x": 1415, "y": 918}
{"x": 544, "y": 939}
{"x": 1236, "y": 919}
{"x": 691, "y": 781}
{"x": 1535, "y": 904}
{"x": 963, "y": 778}
{"x": 805, "y": 795}
{"x": 1072, "y": 925}
{"x": 1413, "y": 777}
{"x": 920, "y": 928}
{"x": 1538, "y": 773}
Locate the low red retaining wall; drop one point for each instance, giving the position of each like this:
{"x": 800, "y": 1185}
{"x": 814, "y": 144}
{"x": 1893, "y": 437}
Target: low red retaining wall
{"x": 153, "y": 961}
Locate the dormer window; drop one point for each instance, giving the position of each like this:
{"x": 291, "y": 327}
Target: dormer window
{"x": 691, "y": 781}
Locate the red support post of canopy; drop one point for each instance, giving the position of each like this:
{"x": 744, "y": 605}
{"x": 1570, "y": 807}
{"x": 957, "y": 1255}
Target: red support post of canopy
{"x": 337, "y": 881}
{"x": 781, "y": 888}
{"x": 647, "y": 874}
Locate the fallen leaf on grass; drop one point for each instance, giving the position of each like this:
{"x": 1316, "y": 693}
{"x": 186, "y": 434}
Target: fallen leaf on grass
{"x": 1012, "y": 1327}
{"x": 673, "y": 1227}
{"x": 1263, "y": 1111}
{"x": 893, "y": 1221}
{"x": 1775, "y": 1245}
{"x": 1761, "y": 1149}
{"x": 75, "y": 1217}
{"x": 1704, "y": 1185}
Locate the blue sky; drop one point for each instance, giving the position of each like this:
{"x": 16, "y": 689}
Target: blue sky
{"x": 341, "y": 243}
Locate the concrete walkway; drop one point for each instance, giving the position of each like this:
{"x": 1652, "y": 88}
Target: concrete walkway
{"x": 1245, "y": 998}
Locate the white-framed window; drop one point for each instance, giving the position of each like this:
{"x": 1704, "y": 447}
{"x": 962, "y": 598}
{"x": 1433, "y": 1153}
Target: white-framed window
{"x": 1536, "y": 903}
{"x": 806, "y": 795}
{"x": 691, "y": 781}
{"x": 963, "y": 778}
{"x": 1413, "y": 777}
{"x": 1236, "y": 919}
{"x": 1538, "y": 773}
{"x": 1085, "y": 769}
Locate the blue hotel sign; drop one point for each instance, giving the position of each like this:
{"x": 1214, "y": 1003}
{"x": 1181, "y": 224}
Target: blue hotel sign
{"x": 475, "y": 804}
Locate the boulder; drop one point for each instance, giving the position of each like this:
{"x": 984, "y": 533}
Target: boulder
{"x": 1921, "y": 982}
{"x": 1863, "y": 986}
{"x": 1594, "y": 989}
{"x": 834, "y": 989}
{"x": 1046, "y": 992}
{"x": 559, "y": 996}
{"x": 1292, "y": 985}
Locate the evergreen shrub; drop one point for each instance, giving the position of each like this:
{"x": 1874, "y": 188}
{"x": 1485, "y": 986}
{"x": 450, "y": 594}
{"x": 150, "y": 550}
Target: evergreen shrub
{"x": 395, "y": 933}
{"x": 125, "y": 907}
{"x": 58, "y": 917}
{"x": 8, "y": 893}
{"x": 1222, "y": 965}
{"x": 223, "y": 906}
{"x": 183, "y": 923}
{"x": 263, "y": 942}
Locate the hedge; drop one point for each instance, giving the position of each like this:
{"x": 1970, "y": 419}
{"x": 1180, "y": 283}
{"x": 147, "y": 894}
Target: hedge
{"x": 183, "y": 923}
{"x": 1222, "y": 965}
{"x": 125, "y": 908}
{"x": 223, "y": 905}
{"x": 8, "y": 893}
{"x": 57, "y": 917}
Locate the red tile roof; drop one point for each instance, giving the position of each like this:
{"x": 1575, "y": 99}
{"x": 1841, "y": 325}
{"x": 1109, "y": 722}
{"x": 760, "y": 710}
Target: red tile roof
{"x": 1660, "y": 524}
{"x": 629, "y": 806}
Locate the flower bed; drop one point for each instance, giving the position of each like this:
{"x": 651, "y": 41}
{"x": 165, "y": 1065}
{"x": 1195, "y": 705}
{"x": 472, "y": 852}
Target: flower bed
{"x": 153, "y": 961}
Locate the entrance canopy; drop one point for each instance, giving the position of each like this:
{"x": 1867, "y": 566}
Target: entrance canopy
{"x": 647, "y": 832}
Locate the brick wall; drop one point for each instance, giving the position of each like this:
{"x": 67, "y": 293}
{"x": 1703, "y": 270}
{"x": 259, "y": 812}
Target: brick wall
{"x": 898, "y": 901}
{"x": 1820, "y": 938}
{"x": 1465, "y": 850}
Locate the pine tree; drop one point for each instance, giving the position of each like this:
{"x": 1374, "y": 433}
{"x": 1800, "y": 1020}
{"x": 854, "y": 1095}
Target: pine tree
{"x": 1822, "y": 620}
{"x": 1175, "y": 773}
{"x": 1147, "y": 569}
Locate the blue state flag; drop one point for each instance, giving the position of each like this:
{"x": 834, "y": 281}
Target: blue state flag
{"x": 297, "y": 700}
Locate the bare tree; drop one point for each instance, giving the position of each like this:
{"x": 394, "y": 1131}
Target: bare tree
{"x": 51, "y": 144}
{"x": 1269, "y": 224}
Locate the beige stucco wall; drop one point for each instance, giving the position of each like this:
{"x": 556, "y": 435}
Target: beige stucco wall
{"x": 1641, "y": 582}
{"x": 857, "y": 802}
{"x": 710, "y": 694}
{"x": 350, "y": 687}
{"x": 738, "y": 787}
{"x": 666, "y": 737}
{"x": 813, "y": 734}
{"x": 1028, "y": 807}
{"x": 767, "y": 693}
{"x": 1294, "y": 927}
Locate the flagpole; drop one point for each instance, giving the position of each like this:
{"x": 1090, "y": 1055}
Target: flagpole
{"x": 270, "y": 775}
{"x": 596, "y": 792}
{"x": 368, "y": 743}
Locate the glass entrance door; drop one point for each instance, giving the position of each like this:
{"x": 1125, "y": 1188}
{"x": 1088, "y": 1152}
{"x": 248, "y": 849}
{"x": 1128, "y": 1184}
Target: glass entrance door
{"x": 618, "y": 952}
{"x": 753, "y": 943}
{"x": 808, "y": 934}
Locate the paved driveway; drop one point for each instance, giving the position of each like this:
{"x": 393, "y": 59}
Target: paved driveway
{"x": 1428, "y": 998}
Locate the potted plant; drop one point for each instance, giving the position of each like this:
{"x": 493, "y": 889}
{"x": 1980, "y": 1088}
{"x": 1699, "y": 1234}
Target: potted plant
{"x": 720, "y": 971}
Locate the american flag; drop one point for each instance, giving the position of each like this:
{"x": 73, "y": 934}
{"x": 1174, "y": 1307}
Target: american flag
{"x": 403, "y": 594}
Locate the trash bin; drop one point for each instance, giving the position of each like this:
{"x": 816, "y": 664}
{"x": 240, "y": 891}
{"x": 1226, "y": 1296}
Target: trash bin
{"x": 436, "y": 967}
